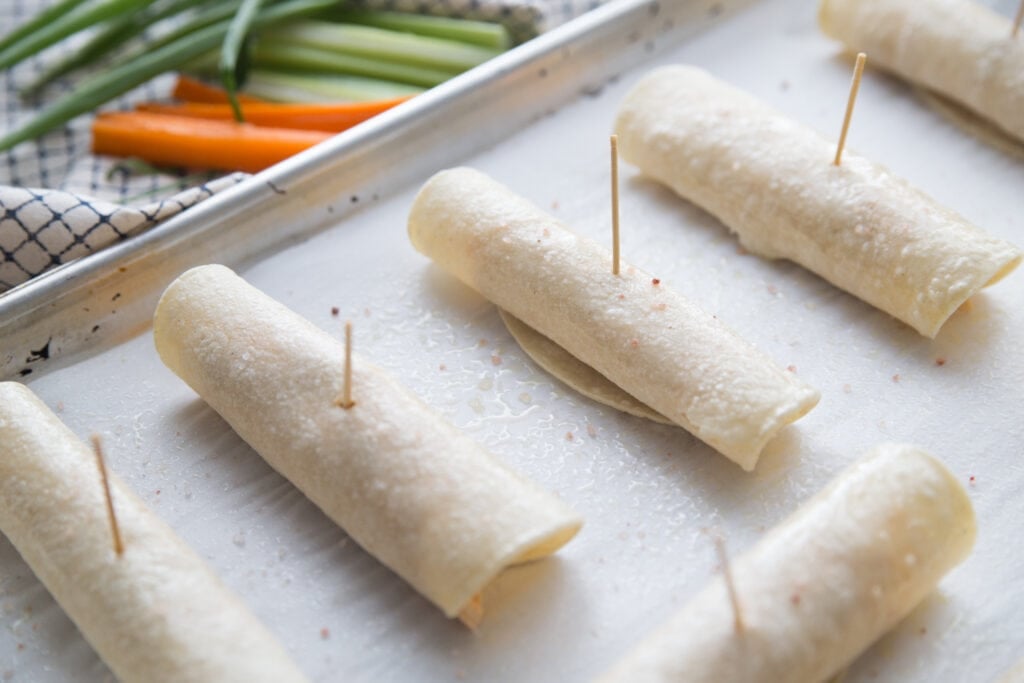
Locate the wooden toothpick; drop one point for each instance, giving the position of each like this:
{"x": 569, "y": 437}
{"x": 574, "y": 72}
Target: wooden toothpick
{"x": 473, "y": 613}
{"x": 1017, "y": 20}
{"x": 345, "y": 400}
{"x": 115, "y": 530}
{"x": 723, "y": 559}
{"x": 615, "y": 204}
{"x": 858, "y": 70}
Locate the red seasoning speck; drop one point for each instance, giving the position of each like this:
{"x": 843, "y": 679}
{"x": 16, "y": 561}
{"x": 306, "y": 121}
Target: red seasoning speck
{"x": 791, "y": 368}
{"x": 442, "y": 367}
{"x": 335, "y": 311}
{"x": 896, "y": 377}
{"x": 495, "y": 360}
{"x": 940, "y": 361}
{"x": 325, "y": 633}
{"x": 972, "y": 480}
{"x": 635, "y": 343}
{"x": 568, "y": 436}
{"x": 655, "y": 282}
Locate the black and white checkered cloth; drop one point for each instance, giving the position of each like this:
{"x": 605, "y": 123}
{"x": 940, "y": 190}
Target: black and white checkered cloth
{"x": 43, "y": 228}
{"x": 40, "y": 229}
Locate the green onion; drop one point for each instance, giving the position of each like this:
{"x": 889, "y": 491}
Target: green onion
{"x": 119, "y": 80}
{"x": 280, "y": 54}
{"x": 79, "y": 18}
{"x": 232, "y": 47}
{"x": 289, "y": 87}
{"x": 37, "y": 22}
{"x": 481, "y": 33}
{"x": 375, "y": 43}
{"x": 114, "y": 35}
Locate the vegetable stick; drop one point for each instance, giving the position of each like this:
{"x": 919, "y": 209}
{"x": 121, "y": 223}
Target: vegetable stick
{"x": 282, "y": 86}
{"x": 332, "y": 118}
{"x": 393, "y": 46}
{"x": 824, "y": 584}
{"x": 156, "y": 613}
{"x": 188, "y": 89}
{"x": 483, "y": 33}
{"x": 197, "y": 143}
{"x": 296, "y": 54}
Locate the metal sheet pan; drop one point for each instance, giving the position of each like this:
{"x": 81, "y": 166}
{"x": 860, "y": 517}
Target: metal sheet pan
{"x": 649, "y": 493}
{"x": 68, "y": 310}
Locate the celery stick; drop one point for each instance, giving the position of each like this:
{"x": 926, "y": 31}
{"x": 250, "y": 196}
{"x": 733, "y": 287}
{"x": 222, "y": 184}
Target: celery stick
{"x": 281, "y": 54}
{"x": 289, "y": 87}
{"x": 483, "y": 33}
{"x": 74, "y": 21}
{"x": 375, "y": 43}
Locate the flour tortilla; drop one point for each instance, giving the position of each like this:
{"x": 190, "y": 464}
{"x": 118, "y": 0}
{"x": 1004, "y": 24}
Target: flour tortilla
{"x": 415, "y": 492}
{"x": 157, "y": 614}
{"x": 772, "y": 182}
{"x": 823, "y": 585}
{"x": 650, "y": 341}
{"x": 575, "y": 373}
{"x": 957, "y": 48}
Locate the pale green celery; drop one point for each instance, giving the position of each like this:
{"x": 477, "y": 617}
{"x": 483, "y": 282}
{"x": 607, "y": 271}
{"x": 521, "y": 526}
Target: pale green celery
{"x": 482, "y": 33}
{"x": 316, "y": 88}
{"x": 281, "y": 54}
{"x": 376, "y": 43}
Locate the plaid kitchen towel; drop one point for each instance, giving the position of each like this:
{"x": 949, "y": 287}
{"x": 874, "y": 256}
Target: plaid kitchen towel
{"x": 40, "y": 229}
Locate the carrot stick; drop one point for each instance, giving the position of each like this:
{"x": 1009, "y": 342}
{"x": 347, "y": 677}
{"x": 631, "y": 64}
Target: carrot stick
{"x": 188, "y": 89}
{"x": 166, "y": 140}
{"x": 332, "y": 118}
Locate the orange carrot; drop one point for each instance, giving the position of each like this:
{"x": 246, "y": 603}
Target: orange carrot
{"x": 189, "y": 89}
{"x": 197, "y": 143}
{"x": 332, "y": 118}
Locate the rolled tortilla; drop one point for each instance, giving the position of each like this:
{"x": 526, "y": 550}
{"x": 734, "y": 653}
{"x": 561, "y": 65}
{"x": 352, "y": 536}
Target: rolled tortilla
{"x": 824, "y": 584}
{"x": 772, "y": 181}
{"x": 156, "y": 613}
{"x": 958, "y": 48}
{"x": 412, "y": 490}
{"x": 653, "y": 343}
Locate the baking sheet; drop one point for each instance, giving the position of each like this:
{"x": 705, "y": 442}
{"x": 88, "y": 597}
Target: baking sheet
{"x": 649, "y": 493}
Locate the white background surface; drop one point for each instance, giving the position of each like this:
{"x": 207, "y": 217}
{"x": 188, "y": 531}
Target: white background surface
{"x": 648, "y": 492}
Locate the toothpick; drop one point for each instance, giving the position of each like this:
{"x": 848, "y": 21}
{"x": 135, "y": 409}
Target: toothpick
{"x": 473, "y": 613}
{"x": 97, "y": 447}
{"x": 345, "y": 400}
{"x": 858, "y": 70}
{"x": 723, "y": 559}
{"x": 1017, "y": 20}
{"x": 615, "y": 204}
